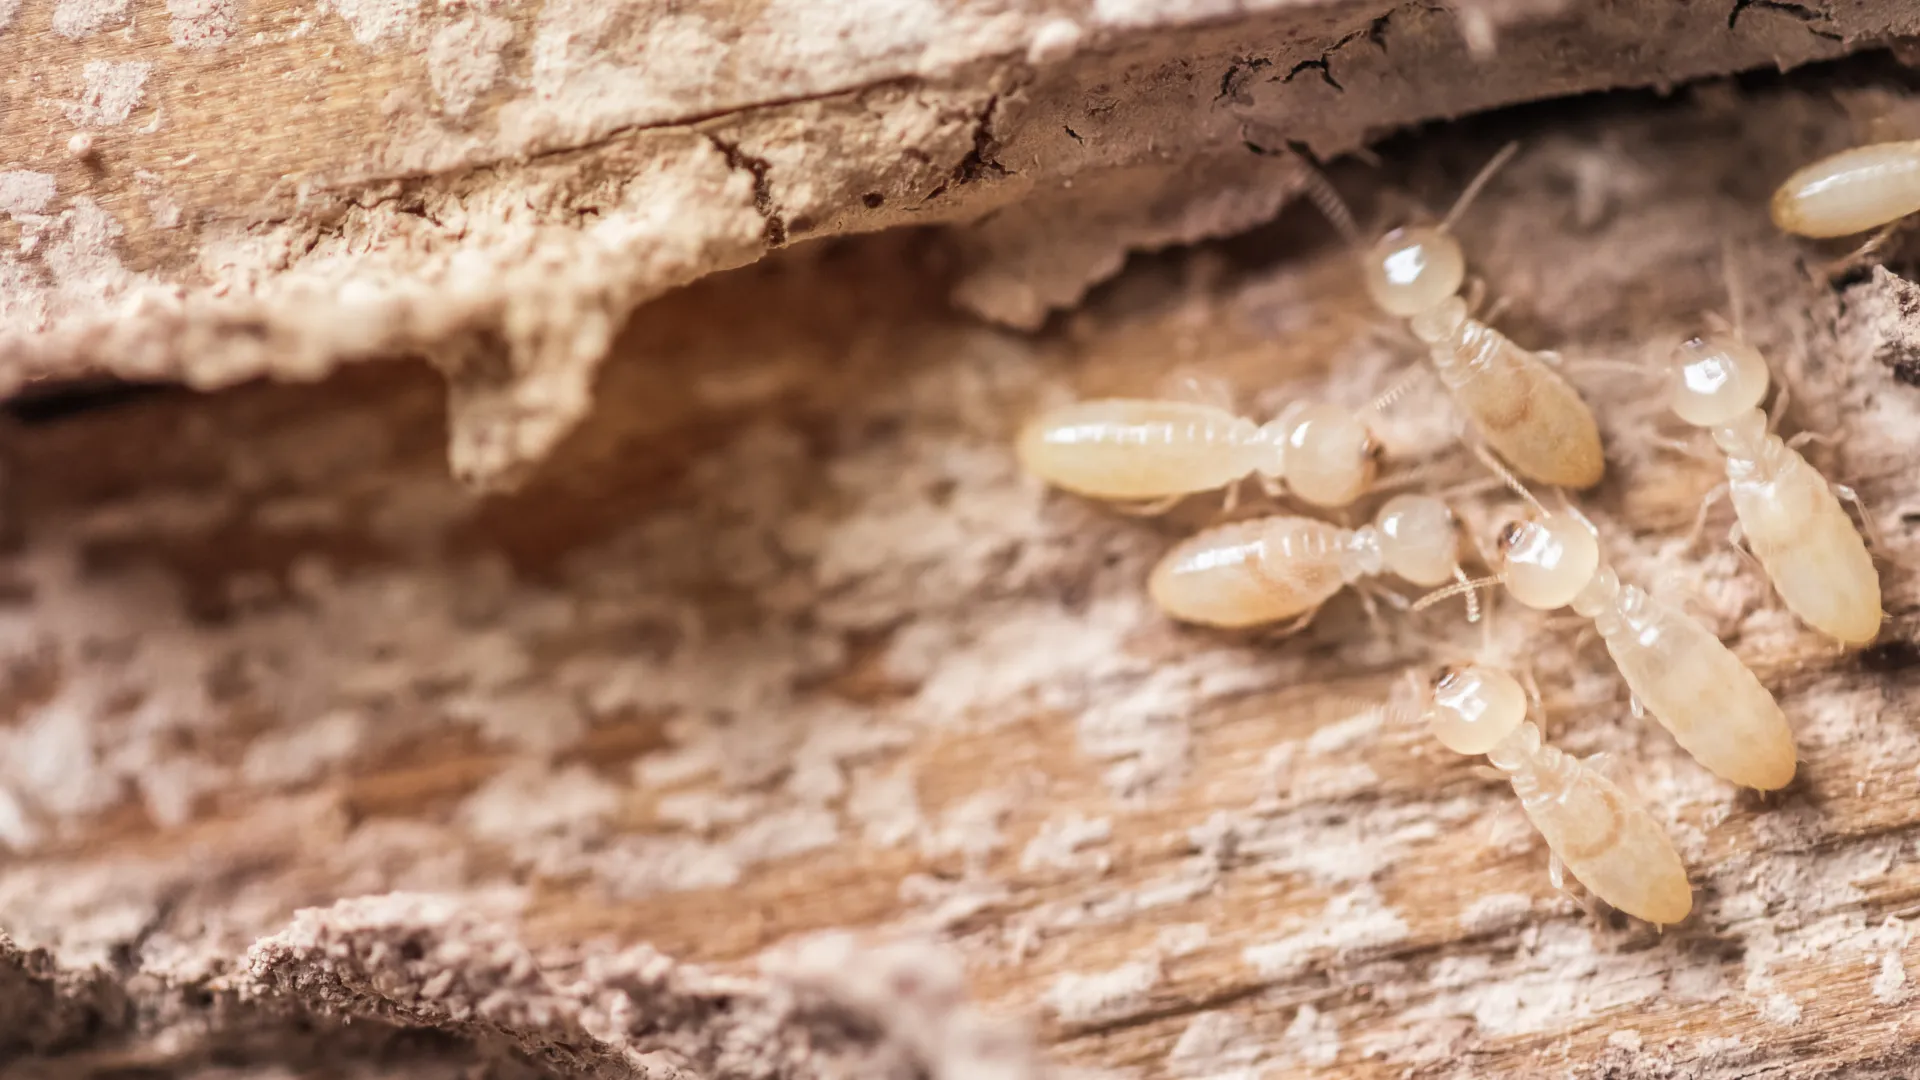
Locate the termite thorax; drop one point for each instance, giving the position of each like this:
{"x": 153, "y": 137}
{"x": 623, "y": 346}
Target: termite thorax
{"x": 1366, "y": 556}
{"x": 1599, "y": 599}
{"x": 1744, "y": 438}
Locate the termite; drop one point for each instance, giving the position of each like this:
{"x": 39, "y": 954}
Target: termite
{"x": 1695, "y": 686}
{"x": 1610, "y": 844}
{"x": 1156, "y": 452}
{"x": 1851, "y": 191}
{"x": 1514, "y": 398}
{"x": 1790, "y": 515}
{"x": 1264, "y": 570}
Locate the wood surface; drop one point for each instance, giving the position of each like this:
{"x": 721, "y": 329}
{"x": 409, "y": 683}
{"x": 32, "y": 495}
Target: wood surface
{"x": 777, "y": 726}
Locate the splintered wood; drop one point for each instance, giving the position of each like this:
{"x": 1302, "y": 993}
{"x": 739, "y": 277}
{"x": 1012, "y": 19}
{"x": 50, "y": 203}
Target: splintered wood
{"x": 783, "y": 641}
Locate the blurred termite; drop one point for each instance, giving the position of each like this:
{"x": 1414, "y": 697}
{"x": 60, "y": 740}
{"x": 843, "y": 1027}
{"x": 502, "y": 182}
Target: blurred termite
{"x": 1851, "y": 191}
{"x": 1790, "y": 515}
{"x": 1513, "y": 397}
{"x": 1695, "y": 686}
{"x": 1158, "y": 451}
{"x": 1264, "y": 570}
{"x": 1610, "y": 844}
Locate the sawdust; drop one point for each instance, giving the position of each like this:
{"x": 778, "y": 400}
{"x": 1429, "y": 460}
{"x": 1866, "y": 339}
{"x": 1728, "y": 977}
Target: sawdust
{"x": 465, "y": 62}
{"x": 113, "y": 90}
{"x": 202, "y": 24}
{"x": 84, "y": 18}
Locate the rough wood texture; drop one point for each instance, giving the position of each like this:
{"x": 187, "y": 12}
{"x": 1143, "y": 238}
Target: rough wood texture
{"x": 779, "y": 644}
{"x": 777, "y": 726}
{"x": 271, "y": 188}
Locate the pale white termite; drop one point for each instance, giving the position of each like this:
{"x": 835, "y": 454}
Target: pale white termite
{"x": 1513, "y": 397}
{"x": 1158, "y": 451}
{"x": 1610, "y": 844}
{"x": 1851, "y": 191}
{"x": 1264, "y": 570}
{"x": 1790, "y": 515}
{"x": 1715, "y": 708}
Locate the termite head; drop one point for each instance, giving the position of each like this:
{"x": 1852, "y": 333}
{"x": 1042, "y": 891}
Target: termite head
{"x": 1330, "y": 457}
{"x": 1419, "y": 539}
{"x": 1411, "y": 270}
{"x": 1471, "y": 709}
{"x": 1716, "y": 378}
{"x": 1545, "y": 561}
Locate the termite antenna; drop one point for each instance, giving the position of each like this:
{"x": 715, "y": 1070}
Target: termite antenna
{"x": 1468, "y": 586}
{"x": 1487, "y": 642}
{"x": 1419, "y": 475}
{"x": 1473, "y": 599}
{"x": 1320, "y": 191}
{"x": 1478, "y": 183}
{"x": 1506, "y": 476}
{"x": 1735, "y": 304}
{"x": 1400, "y": 388}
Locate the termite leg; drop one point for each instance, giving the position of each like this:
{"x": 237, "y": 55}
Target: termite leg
{"x": 1684, "y": 447}
{"x": 1608, "y": 767}
{"x": 1532, "y": 686}
{"x": 1634, "y": 706}
{"x": 1371, "y": 607}
{"x": 1736, "y": 538}
{"x": 1816, "y": 437}
{"x": 1475, "y": 295}
{"x": 1524, "y": 672}
{"x": 1149, "y": 509}
{"x": 1579, "y": 895}
{"x": 1780, "y": 398}
{"x": 1385, "y": 595}
{"x": 1199, "y": 388}
{"x": 1231, "y": 501}
{"x": 1847, "y": 263}
{"x": 1876, "y": 540}
{"x": 1707, "y": 503}
{"x": 1557, "y": 875}
{"x": 1288, "y": 629}
{"x": 1479, "y": 306}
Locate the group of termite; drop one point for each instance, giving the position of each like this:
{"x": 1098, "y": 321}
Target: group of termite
{"x": 1527, "y": 421}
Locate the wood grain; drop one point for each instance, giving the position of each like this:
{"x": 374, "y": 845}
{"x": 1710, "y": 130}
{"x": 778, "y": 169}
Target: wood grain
{"x": 779, "y": 642}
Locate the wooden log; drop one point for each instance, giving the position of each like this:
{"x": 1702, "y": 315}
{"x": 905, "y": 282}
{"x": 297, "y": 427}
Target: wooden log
{"x": 777, "y": 726}
{"x": 225, "y": 190}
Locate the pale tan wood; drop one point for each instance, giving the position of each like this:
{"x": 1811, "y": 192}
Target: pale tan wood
{"x": 502, "y": 183}
{"x": 778, "y": 642}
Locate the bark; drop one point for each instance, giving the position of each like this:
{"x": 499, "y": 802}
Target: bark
{"x": 224, "y": 191}
{"x": 775, "y": 725}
